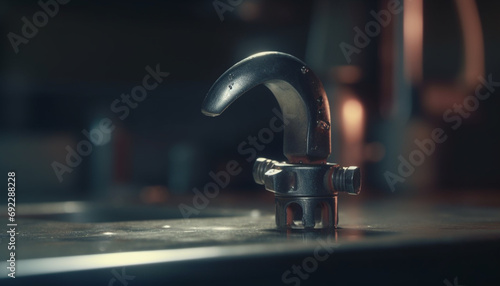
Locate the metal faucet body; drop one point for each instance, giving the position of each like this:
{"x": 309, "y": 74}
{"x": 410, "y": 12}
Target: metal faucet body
{"x": 306, "y": 186}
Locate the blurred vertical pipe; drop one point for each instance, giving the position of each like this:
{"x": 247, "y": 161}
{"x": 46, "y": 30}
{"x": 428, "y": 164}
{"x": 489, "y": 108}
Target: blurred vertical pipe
{"x": 111, "y": 167}
{"x": 101, "y": 164}
{"x": 122, "y": 153}
{"x": 408, "y": 58}
{"x": 182, "y": 165}
{"x": 473, "y": 41}
{"x": 401, "y": 68}
{"x": 413, "y": 35}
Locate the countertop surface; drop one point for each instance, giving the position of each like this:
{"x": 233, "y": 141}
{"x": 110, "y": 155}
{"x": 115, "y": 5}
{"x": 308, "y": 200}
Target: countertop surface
{"x": 51, "y": 247}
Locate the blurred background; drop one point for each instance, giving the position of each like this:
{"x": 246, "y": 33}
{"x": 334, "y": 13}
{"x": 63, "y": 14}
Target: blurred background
{"x": 392, "y": 76}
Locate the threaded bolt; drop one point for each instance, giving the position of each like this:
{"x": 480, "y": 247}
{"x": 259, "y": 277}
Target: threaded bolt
{"x": 261, "y": 166}
{"x": 347, "y": 179}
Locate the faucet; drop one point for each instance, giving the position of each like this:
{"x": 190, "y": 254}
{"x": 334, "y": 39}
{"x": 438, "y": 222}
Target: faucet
{"x": 306, "y": 186}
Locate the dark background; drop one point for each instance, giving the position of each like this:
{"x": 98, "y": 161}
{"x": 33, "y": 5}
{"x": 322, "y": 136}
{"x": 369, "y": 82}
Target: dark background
{"x": 91, "y": 52}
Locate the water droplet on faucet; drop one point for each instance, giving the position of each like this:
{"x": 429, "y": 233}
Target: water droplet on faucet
{"x": 304, "y": 70}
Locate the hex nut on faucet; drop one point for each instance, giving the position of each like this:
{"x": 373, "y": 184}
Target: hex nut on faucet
{"x": 306, "y": 186}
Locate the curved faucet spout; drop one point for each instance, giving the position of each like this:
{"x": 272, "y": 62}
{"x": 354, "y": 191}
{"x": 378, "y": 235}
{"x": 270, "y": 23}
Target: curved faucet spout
{"x": 300, "y": 95}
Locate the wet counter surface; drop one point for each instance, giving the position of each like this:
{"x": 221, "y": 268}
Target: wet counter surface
{"x": 388, "y": 241}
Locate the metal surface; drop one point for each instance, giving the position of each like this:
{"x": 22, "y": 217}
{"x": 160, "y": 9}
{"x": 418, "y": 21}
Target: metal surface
{"x": 306, "y": 186}
{"x": 374, "y": 236}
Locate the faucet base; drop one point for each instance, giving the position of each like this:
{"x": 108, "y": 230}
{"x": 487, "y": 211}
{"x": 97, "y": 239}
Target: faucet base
{"x": 306, "y": 212}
